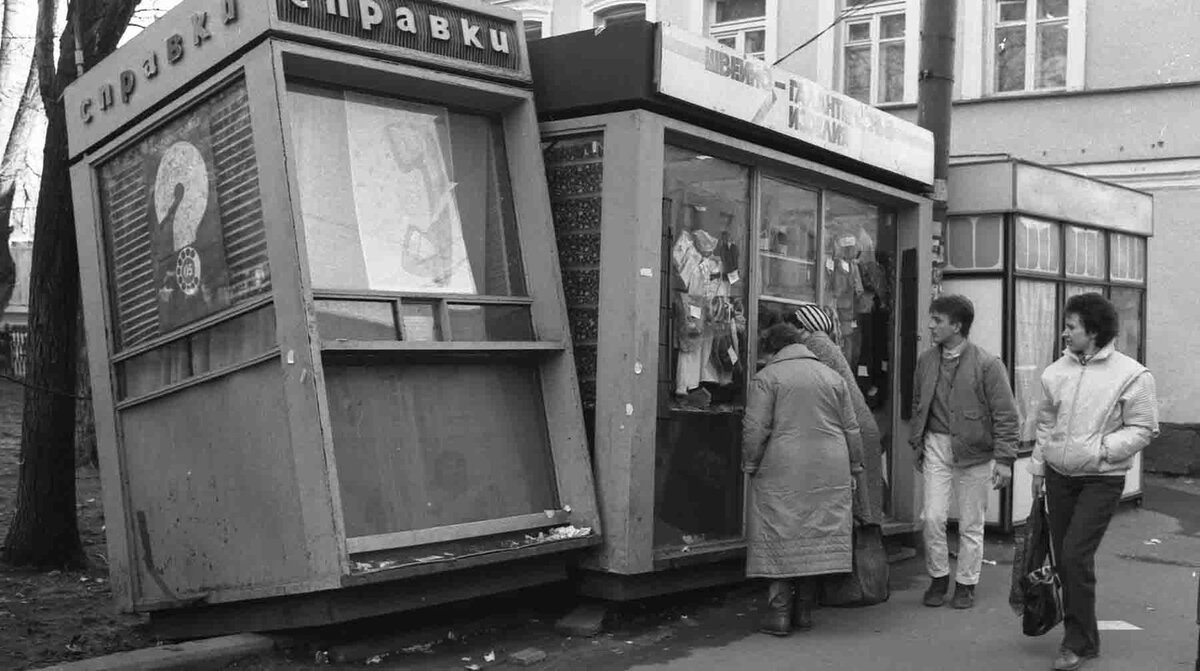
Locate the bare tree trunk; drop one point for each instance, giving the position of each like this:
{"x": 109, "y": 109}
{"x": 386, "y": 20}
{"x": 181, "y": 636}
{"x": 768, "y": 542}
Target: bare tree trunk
{"x": 12, "y": 165}
{"x": 16, "y": 51}
{"x": 44, "y": 531}
{"x": 86, "y": 453}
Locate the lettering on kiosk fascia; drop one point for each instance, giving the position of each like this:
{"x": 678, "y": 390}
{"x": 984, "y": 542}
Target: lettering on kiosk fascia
{"x": 424, "y": 26}
{"x": 173, "y": 51}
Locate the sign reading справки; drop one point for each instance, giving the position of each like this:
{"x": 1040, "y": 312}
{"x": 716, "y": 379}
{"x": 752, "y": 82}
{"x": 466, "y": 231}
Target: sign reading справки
{"x": 703, "y": 72}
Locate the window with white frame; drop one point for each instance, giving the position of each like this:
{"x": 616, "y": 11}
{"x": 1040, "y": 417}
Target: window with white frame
{"x": 873, "y": 52}
{"x": 1029, "y": 44}
{"x": 740, "y": 25}
{"x": 632, "y": 11}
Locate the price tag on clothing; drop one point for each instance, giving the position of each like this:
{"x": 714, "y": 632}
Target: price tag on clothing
{"x": 734, "y": 277}
{"x": 828, "y": 264}
{"x": 694, "y": 311}
{"x": 733, "y": 357}
{"x": 845, "y": 265}
{"x": 862, "y": 371}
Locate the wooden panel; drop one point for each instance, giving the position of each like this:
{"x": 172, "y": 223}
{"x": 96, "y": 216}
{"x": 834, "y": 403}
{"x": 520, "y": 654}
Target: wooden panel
{"x": 1060, "y": 195}
{"x": 94, "y": 289}
{"x": 563, "y": 408}
{"x": 428, "y": 445}
{"x": 213, "y": 501}
{"x": 627, "y": 356}
{"x": 980, "y": 187}
{"x": 312, "y": 447}
{"x": 453, "y": 532}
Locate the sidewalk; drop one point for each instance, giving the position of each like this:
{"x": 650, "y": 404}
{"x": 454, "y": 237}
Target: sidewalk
{"x": 1144, "y": 584}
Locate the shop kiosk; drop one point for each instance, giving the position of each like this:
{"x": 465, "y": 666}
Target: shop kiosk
{"x": 1021, "y": 239}
{"x": 329, "y": 349}
{"x": 698, "y": 196}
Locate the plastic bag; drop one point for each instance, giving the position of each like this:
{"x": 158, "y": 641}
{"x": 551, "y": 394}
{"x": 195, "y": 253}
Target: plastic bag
{"x": 1036, "y": 592}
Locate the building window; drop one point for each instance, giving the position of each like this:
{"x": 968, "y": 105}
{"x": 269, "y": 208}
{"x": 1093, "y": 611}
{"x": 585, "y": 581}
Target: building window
{"x": 533, "y": 30}
{"x": 620, "y": 14}
{"x": 1029, "y": 47}
{"x": 740, "y": 25}
{"x": 873, "y": 56}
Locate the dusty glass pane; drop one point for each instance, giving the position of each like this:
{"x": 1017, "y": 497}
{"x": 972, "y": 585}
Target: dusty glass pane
{"x": 1011, "y": 10}
{"x": 736, "y": 10}
{"x": 1053, "y": 9}
{"x": 1037, "y": 346}
{"x": 480, "y": 323}
{"x": 858, "y": 73}
{"x": 1052, "y": 56}
{"x": 858, "y": 32}
{"x": 891, "y": 72}
{"x": 891, "y": 26}
{"x": 787, "y": 246}
{"x": 756, "y": 42}
{"x": 1129, "y": 310}
{"x": 533, "y": 30}
{"x": 1038, "y": 247}
{"x": 355, "y": 320}
{"x": 402, "y": 196}
{"x": 730, "y": 42}
{"x": 1010, "y": 58}
{"x": 1086, "y": 255}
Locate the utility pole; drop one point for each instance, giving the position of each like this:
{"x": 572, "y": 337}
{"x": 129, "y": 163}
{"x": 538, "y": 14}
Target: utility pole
{"x": 934, "y": 92}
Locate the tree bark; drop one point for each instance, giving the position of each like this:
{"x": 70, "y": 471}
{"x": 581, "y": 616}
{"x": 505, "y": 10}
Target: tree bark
{"x": 12, "y": 165}
{"x": 44, "y": 531}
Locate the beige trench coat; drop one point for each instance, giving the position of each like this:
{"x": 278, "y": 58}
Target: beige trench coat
{"x": 800, "y": 444}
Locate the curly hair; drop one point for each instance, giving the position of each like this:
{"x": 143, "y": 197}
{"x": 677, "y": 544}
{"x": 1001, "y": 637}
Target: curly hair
{"x": 958, "y": 309}
{"x": 777, "y": 337}
{"x": 1097, "y": 315}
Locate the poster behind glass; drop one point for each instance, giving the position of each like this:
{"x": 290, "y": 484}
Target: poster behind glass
{"x": 698, "y": 484}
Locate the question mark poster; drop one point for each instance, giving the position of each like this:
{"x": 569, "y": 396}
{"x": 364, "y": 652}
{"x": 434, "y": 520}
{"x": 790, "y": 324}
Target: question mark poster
{"x": 191, "y": 276}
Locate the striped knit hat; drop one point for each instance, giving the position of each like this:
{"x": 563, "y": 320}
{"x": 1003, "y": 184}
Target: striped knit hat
{"x": 812, "y": 318}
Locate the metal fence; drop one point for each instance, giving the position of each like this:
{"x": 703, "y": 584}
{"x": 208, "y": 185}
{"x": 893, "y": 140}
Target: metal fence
{"x": 13, "y": 339}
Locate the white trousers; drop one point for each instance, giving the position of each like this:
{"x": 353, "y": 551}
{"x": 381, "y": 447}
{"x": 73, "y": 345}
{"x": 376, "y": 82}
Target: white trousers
{"x": 970, "y": 486}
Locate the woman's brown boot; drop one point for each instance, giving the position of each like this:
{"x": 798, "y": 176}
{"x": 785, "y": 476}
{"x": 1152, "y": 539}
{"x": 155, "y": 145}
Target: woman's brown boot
{"x": 777, "y": 621}
{"x": 804, "y": 599}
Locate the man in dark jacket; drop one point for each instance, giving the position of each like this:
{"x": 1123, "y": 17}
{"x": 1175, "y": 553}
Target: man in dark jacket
{"x": 965, "y": 430}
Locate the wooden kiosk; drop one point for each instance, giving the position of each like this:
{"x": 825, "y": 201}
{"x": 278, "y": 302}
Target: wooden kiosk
{"x": 329, "y": 346}
{"x": 697, "y": 197}
{"x": 1021, "y": 239}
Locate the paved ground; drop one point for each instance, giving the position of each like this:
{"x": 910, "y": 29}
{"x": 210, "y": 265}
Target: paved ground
{"x": 1147, "y": 584}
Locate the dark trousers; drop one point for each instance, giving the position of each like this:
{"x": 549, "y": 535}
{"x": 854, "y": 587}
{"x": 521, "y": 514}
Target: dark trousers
{"x": 1080, "y": 510}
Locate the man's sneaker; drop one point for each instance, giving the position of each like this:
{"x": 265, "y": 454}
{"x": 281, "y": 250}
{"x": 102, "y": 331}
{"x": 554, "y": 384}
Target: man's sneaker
{"x": 936, "y": 594}
{"x": 964, "y": 596}
{"x": 1067, "y": 660}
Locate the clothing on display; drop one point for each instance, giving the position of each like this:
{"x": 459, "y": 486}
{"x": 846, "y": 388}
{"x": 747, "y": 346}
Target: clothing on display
{"x": 707, "y": 318}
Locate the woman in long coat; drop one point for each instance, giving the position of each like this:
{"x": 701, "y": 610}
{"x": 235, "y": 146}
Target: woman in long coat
{"x": 801, "y": 447}
{"x": 816, "y": 333}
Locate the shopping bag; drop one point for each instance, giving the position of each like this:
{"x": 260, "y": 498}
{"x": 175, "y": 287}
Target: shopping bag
{"x": 1038, "y": 584}
{"x": 867, "y": 584}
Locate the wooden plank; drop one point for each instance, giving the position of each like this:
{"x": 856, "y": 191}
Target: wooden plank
{"x": 409, "y": 571}
{"x": 214, "y": 506}
{"x": 454, "y": 532}
{"x": 573, "y": 478}
{"x": 422, "y": 445}
{"x": 628, "y": 348}
{"x": 199, "y": 379}
{"x": 616, "y": 587}
{"x": 311, "y": 454}
{"x": 95, "y": 286}
{"x": 441, "y": 346}
{"x": 324, "y": 608}
{"x": 233, "y": 312}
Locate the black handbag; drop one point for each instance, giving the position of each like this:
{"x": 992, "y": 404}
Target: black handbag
{"x": 1040, "y": 588}
{"x": 867, "y": 584}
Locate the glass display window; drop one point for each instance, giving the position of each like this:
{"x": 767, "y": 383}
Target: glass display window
{"x": 1038, "y": 245}
{"x": 975, "y": 242}
{"x": 1086, "y": 256}
{"x": 787, "y": 243}
{"x": 706, "y": 216}
{"x": 1129, "y": 304}
{"x": 406, "y": 199}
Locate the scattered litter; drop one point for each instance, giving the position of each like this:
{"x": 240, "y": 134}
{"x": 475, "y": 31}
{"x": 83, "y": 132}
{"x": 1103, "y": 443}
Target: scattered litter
{"x": 466, "y": 659}
{"x": 1150, "y": 608}
{"x": 990, "y": 562}
{"x": 529, "y": 656}
{"x": 84, "y": 579}
{"x": 1152, "y": 541}
{"x": 426, "y": 648}
{"x": 490, "y": 657}
{"x": 431, "y": 558}
{"x": 628, "y": 642}
{"x": 472, "y": 667}
{"x": 690, "y": 539}
{"x": 375, "y": 660}
{"x": 321, "y": 657}
{"x": 559, "y": 534}
{"x": 1188, "y": 481}
{"x": 71, "y": 647}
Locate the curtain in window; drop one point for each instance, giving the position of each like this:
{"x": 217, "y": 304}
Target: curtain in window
{"x": 1036, "y": 348}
